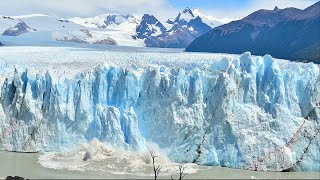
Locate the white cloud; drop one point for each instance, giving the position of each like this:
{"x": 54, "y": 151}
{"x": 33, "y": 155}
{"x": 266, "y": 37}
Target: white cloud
{"x": 162, "y": 9}
{"x": 84, "y": 7}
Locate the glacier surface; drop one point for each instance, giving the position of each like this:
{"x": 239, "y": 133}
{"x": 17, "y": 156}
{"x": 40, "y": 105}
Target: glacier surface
{"x": 238, "y": 111}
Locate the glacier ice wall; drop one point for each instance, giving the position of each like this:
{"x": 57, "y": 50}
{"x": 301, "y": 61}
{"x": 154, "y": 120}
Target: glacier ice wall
{"x": 247, "y": 112}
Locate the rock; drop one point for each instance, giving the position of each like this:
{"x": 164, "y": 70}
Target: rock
{"x": 87, "y": 156}
{"x": 87, "y": 32}
{"x": 73, "y": 39}
{"x": 108, "y": 41}
{"x": 16, "y": 178}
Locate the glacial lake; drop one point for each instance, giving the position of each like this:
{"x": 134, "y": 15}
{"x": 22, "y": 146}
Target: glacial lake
{"x": 26, "y": 165}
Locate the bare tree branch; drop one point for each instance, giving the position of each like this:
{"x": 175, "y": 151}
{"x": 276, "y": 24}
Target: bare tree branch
{"x": 181, "y": 173}
{"x": 155, "y": 170}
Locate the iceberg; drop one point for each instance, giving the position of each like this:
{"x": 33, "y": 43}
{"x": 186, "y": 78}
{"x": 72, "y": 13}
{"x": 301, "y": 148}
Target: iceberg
{"x": 238, "y": 111}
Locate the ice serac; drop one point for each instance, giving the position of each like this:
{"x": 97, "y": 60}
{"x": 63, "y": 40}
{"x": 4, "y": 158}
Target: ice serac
{"x": 246, "y": 112}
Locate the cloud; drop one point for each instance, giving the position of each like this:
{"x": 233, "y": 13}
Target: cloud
{"x": 84, "y": 7}
{"x": 162, "y": 9}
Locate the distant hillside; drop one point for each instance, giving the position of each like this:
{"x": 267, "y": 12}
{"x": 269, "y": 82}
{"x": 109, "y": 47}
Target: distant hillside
{"x": 284, "y": 33}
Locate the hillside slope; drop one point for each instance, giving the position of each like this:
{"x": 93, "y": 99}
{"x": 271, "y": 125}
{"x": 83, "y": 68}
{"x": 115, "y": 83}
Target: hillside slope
{"x": 284, "y": 33}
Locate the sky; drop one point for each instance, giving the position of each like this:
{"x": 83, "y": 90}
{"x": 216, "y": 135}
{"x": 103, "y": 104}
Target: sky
{"x": 238, "y": 8}
{"x": 162, "y": 9}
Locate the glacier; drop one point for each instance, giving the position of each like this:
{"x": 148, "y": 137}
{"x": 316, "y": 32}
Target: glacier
{"x": 238, "y": 111}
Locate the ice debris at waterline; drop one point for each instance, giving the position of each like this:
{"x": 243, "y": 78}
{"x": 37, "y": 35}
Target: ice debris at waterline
{"x": 243, "y": 111}
{"x": 105, "y": 158}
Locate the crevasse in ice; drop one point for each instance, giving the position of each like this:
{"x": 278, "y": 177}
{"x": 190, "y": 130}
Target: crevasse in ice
{"x": 247, "y": 112}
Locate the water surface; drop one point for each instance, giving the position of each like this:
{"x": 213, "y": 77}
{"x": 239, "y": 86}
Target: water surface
{"x": 26, "y": 165}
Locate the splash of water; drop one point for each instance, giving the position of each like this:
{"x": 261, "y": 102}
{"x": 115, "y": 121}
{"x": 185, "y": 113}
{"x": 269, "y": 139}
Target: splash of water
{"x": 101, "y": 157}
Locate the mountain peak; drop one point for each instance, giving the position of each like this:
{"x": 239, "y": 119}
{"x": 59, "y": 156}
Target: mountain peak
{"x": 20, "y": 28}
{"x": 187, "y": 10}
{"x": 148, "y": 16}
{"x": 185, "y": 16}
{"x": 149, "y": 26}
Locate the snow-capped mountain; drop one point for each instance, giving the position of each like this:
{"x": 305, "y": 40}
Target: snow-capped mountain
{"x": 180, "y": 31}
{"x": 54, "y": 30}
{"x": 109, "y": 21}
{"x": 18, "y": 29}
{"x": 115, "y": 29}
{"x": 193, "y": 21}
{"x": 188, "y": 15}
{"x": 175, "y": 32}
{"x": 210, "y": 20}
{"x": 184, "y": 17}
{"x": 121, "y": 19}
{"x": 93, "y": 22}
{"x": 149, "y": 26}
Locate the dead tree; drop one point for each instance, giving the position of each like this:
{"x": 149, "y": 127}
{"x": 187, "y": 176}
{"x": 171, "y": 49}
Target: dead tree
{"x": 181, "y": 173}
{"x": 157, "y": 169}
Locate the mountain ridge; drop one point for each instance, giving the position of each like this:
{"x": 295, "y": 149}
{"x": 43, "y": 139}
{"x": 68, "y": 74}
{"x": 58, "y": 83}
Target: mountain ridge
{"x": 121, "y": 29}
{"x": 184, "y": 29}
{"x": 288, "y": 33}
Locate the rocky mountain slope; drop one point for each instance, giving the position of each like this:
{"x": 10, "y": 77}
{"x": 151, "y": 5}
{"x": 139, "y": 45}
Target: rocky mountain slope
{"x": 18, "y": 29}
{"x": 180, "y": 31}
{"x": 284, "y": 33}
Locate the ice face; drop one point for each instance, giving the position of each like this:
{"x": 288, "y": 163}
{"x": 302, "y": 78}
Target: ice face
{"x": 237, "y": 111}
